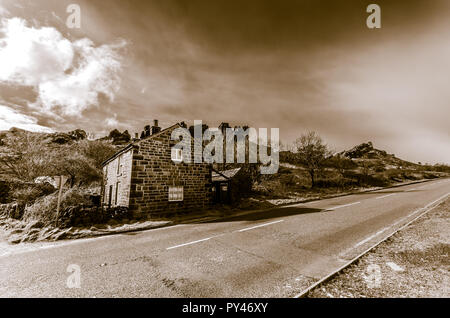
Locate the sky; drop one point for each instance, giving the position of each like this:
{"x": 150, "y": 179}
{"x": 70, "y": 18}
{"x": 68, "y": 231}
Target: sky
{"x": 294, "y": 65}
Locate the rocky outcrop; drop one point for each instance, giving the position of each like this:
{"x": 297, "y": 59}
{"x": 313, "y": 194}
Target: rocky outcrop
{"x": 365, "y": 151}
{"x": 359, "y": 151}
{"x": 119, "y": 138}
{"x": 64, "y": 138}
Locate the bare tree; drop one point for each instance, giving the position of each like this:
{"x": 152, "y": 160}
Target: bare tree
{"x": 80, "y": 162}
{"x": 97, "y": 151}
{"x": 24, "y": 158}
{"x": 312, "y": 153}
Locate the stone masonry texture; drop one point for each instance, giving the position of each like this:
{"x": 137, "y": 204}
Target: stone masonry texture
{"x": 152, "y": 171}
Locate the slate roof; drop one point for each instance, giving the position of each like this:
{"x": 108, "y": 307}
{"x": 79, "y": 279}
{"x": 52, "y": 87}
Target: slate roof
{"x": 224, "y": 175}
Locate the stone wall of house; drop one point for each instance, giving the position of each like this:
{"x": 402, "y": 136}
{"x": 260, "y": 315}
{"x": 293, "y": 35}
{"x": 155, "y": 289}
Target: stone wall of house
{"x": 153, "y": 172}
{"x": 117, "y": 174}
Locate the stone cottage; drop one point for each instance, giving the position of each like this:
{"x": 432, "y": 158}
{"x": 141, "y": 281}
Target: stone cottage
{"x": 149, "y": 177}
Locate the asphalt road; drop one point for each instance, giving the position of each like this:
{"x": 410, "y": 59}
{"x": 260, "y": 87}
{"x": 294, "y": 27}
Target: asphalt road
{"x": 267, "y": 254}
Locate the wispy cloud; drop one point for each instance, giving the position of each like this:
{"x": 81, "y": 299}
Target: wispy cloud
{"x": 11, "y": 118}
{"x": 112, "y": 121}
{"x": 68, "y": 75}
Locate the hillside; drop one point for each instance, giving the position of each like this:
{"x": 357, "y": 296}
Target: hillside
{"x": 366, "y": 151}
{"x": 28, "y": 156}
{"x": 361, "y": 167}
{"x": 115, "y": 137}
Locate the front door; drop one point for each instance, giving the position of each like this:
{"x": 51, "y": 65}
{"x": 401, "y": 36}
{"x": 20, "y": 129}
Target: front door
{"x": 110, "y": 195}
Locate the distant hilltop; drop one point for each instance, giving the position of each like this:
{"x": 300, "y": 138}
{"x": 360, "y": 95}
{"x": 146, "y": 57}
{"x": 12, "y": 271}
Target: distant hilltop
{"x": 366, "y": 151}
{"x": 360, "y": 154}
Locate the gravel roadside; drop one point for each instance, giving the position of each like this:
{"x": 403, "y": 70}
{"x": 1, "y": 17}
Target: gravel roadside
{"x": 412, "y": 263}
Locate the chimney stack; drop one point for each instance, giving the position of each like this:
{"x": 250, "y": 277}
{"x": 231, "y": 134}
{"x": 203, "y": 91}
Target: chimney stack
{"x": 147, "y": 130}
{"x": 155, "y": 129}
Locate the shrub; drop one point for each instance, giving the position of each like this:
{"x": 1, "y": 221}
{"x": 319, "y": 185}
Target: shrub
{"x": 12, "y": 210}
{"x": 287, "y": 180}
{"x": 4, "y": 192}
{"x": 367, "y": 180}
{"x": 376, "y": 181}
{"x": 329, "y": 183}
{"x": 28, "y": 193}
{"x": 380, "y": 168}
{"x": 44, "y": 209}
{"x": 430, "y": 176}
{"x": 393, "y": 174}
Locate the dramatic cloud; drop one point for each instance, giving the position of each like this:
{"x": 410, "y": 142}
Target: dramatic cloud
{"x": 294, "y": 64}
{"x": 3, "y": 11}
{"x": 11, "y": 118}
{"x": 68, "y": 76}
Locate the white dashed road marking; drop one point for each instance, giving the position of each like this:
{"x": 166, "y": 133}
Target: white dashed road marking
{"x": 343, "y": 206}
{"x": 208, "y": 238}
{"x": 257, "y": 226}
{"x": 385, "y": 196}
{"x": 190, "y": 243}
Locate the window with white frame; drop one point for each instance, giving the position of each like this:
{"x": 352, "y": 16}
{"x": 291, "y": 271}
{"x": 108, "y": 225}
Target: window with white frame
{"x": 177, "y": 155}
{"x": 175, "y": 193}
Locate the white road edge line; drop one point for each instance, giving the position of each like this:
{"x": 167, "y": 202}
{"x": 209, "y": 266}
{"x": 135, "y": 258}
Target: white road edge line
{"x": 320, "y": 281}
{"x": 429, "y": 204}
{"x": 257, "y": 226}
{"x": 343, "y": 206}
{"x": 370, "y": 237}
{"x": 385, "y": 196}
{"x": 399, "y": 221}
